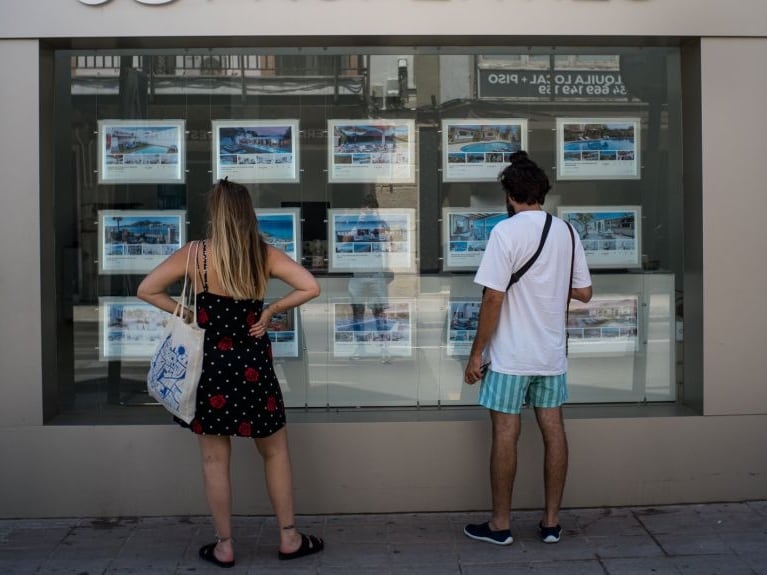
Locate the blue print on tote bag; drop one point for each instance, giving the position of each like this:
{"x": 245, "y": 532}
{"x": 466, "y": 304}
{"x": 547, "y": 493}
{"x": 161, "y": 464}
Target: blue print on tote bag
{"x": 168, "y": 370}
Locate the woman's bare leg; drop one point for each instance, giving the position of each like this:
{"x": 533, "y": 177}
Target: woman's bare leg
{"x": 216, "y": 453}
{"x": 279, "y": 485}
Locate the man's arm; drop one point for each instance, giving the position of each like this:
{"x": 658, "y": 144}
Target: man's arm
{"x": 489, "y": 312}
{"x": 581, "y": 294}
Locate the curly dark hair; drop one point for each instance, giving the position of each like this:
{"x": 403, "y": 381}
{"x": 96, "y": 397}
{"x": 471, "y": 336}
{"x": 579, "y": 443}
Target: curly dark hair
{"x": 524, "y": 181}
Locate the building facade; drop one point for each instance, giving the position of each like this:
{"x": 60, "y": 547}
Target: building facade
{"x": 371, "y": 153}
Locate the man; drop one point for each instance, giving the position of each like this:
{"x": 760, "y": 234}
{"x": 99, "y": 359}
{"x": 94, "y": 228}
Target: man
{"x": 371, "y": 288}
{"x": 523, "y": 332}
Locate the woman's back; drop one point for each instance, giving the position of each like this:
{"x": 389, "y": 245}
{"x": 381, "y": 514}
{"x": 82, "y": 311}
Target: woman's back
{"x": 208, "y": 277}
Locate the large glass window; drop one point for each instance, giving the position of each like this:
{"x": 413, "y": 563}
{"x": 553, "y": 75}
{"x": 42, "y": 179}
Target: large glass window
{"x": 377, "y": 171}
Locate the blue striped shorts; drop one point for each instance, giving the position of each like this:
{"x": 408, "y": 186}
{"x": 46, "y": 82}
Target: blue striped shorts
{"x": 507, "y": 393}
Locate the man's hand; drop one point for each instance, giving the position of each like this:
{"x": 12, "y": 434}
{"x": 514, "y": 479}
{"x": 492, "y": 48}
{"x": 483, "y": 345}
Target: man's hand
{"x": 473, "y": 372}
{"x": 489, "y": 311}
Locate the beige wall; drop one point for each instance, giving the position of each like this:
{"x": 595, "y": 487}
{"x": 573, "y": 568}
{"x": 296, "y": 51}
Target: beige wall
{"x": 20, "y": 361}
{"x": 734, "y": 84}
{"x": 426, "y": 465}
{"x": 382, "y": 467}
{"x": 55, "y": 18}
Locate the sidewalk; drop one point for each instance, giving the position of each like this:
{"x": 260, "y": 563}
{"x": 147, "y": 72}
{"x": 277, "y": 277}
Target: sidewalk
{"x": 726, "y": 538}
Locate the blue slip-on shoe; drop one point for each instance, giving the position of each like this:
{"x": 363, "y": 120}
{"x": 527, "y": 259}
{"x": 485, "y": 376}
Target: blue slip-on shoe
{"x": 482, "y": 532}
{"x": 550, "y": 534}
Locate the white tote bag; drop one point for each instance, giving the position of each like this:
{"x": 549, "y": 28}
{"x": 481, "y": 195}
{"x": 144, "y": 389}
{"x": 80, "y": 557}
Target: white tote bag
{"x": 177, "y": 362}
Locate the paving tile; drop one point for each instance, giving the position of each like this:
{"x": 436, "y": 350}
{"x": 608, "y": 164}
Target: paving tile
{"x": 732, "y": 517}
{"x": 266, "y": 557}
{"x": 151, "y": 570}
{"x": 356, "y": 554}
{"x": 152, "y": 554}
{"x": 357, "y": 518}
{"x": 453, "y": 569}
{"x": 429, "y": 529}
{"x": 6, "y": 528}
{"x": 75, "y": 566}
{"x": 472, "y": 552}
{"x": 758, "y": 506}
{"x": 692, "y": 544}
{"x": 363, "y": 533}
{"x": 592, "y": 567}
{"x": 498, "y": 569}
{"x": 758, "y": 565}
{"x": 424, "y": 554}
{"x": 726, "y": 538}
{"x": 713, "y": 565}
{"x": 242, "y": 527}
{"x": 624, "y": 546}
{"x": 47, "y": 524}
{"x": 33, "y": 543}
{"x": 674, "y": 519}
{"x": 641, "y": 566}
{"x": 92, "y": 544}
{"x": 747, "y": 543}
{"x": 169, "y": 523}
{"x": 294, "y": 570}
{"x": 18, "y": 566}
{"x": 608, "y": 521}
{"x": 340, "y": 570}
{"x": 196, "y": 566}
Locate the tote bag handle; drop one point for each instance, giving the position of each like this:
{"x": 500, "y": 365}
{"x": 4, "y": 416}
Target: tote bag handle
{"x": 189, "y": 297}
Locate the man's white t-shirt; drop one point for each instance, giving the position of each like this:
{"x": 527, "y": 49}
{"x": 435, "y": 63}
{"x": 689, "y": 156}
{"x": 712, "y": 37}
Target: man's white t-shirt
{"x": 530, "y": 337}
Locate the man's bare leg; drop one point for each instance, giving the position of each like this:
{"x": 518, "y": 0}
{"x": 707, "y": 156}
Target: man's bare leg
{"x": 503, "y": 465}
{"x": 552, "y": 428}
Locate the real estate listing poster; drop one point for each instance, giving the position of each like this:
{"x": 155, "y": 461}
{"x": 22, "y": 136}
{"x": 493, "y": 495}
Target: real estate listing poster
{"x": 141, "y": 151}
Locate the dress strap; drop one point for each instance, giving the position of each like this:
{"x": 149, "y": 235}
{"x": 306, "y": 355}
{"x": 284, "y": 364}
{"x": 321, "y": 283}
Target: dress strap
{"x": 204, "y": 271}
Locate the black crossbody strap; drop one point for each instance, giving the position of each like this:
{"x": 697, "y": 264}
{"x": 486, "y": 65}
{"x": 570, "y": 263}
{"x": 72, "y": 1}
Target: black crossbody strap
{"x": 515, "y": 277}
{"x": 572, "y": 260}
{"x": 570, "y": 287}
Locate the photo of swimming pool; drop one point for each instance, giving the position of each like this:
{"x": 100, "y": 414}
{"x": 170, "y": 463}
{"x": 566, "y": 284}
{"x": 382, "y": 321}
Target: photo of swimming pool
{"x": 141, "y": 140}
{"x": 602, "y": 144}
{"x": 361, "y": 151}
{"x": 490, "y": 147}
{"x": 475, "y": 150}
{"x": 610, "y": 235}
{"x": 255, "y": 140}
{"x": 598, "y": 148}
{"x": 250, "y": 151}
{"x": 141, "y": 151}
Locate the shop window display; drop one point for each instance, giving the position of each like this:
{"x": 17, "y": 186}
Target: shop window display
{"x": 382, "y": 182}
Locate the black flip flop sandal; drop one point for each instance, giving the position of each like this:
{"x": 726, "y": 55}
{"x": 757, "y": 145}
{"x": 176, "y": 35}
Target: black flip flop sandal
{"x": 207, "y": 553}
{"x": 309, "y": 545}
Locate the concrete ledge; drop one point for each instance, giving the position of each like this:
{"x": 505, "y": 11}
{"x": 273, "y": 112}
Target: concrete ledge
{"x": 376, "y": 467}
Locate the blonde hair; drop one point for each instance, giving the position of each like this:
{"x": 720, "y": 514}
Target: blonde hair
{"x": 238, "y": 251}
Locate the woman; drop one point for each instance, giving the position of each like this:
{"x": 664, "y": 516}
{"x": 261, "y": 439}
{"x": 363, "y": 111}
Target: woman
{"x": 238, "y": 393}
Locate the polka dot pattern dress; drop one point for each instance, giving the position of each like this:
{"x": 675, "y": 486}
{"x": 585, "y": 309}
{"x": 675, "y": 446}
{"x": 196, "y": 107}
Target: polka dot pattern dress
{"x": 238, "y": 393}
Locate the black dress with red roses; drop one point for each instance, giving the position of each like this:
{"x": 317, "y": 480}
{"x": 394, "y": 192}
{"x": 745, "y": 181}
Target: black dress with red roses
{"x": 238, "y": 392}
